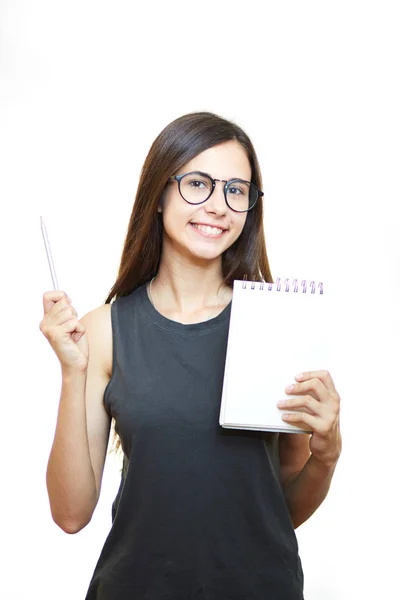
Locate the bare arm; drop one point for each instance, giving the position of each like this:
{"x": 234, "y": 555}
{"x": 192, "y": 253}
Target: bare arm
{"x": 77, "y": 457}
{"x": 305, "y": 479}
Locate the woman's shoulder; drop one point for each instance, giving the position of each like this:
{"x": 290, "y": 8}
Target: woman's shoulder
{"x": 98, "y": 321}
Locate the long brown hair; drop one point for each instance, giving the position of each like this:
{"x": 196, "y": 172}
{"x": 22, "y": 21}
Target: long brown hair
{"x": 177, "y": 144}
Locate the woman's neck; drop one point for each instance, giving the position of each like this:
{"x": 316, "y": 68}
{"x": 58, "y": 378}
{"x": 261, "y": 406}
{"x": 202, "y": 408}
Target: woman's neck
{"x": 190, "y": 293}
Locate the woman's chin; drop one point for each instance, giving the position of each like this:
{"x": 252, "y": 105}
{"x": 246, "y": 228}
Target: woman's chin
{"x": 204, "y": 254}
{"x": 199, "y": 252}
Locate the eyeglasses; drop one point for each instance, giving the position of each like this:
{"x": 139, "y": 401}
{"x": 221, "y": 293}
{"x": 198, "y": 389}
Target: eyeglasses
{"x": 196, "y": 187}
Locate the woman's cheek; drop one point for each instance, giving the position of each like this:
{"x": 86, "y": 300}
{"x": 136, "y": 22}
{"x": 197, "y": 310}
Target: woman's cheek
{"x": 239, "y": 226}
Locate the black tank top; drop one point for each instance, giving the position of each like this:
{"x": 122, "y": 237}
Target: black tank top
{"x": 200, "y": 513}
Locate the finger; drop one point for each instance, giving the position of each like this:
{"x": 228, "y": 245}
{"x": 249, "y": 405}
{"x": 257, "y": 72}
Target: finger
{"x": 323, "y": 376}
{"x": 58, "y": 308}
{"x": 308, "y": 403}
{"x": 77, "y": 336}
{"x": 74, "y": 325}
{"x": 314, "y": 387}
{"x": 64, "y": 315}
{"x": 50, "y": 298}
{"x": 310, "y": 422}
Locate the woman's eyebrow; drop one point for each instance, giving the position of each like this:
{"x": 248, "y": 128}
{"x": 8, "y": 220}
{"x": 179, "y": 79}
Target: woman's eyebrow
{"x": 216, "y": 178}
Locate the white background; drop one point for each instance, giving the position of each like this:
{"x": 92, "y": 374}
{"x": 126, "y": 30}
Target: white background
{"x": 85, "y": 88}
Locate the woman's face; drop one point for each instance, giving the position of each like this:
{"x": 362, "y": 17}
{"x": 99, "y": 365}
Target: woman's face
{"x": 186, "y": 226}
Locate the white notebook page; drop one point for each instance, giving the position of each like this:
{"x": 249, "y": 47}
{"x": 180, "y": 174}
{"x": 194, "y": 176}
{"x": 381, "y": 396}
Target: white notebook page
{"x": 273, "y": 336}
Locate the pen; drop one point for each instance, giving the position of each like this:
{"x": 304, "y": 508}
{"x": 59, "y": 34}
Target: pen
{"x": 48, "y": 252}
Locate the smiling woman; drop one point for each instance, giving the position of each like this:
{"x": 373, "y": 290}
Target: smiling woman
{"x": 217, "y": 148}
{"x": 207, "y": 223}
{"x": 201, "y": 511}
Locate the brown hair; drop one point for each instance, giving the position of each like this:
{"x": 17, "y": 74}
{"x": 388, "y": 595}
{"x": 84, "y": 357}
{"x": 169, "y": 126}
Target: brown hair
{"x": 177, "y": 144}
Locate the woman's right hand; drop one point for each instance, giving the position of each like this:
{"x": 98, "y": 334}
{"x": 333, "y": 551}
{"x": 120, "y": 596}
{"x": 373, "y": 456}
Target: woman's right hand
{"x": 65, "y": 333}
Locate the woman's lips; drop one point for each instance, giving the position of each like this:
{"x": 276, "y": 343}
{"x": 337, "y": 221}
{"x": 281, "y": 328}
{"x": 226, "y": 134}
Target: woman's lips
{"x": 210, "y": 231}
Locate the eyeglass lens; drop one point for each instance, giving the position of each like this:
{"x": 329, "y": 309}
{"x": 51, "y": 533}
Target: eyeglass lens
{"x": 196, "y": 188}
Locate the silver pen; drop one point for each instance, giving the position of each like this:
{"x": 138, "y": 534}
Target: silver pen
{"x": 49, "y": 256}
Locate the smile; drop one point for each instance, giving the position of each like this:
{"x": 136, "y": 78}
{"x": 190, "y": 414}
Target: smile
{"x": 207, "y": 230}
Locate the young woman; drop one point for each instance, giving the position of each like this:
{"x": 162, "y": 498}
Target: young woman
{"x": 201, "y": 512}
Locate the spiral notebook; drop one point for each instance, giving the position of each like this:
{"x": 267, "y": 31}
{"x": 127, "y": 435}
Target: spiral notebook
{"x": 276, "y": 331}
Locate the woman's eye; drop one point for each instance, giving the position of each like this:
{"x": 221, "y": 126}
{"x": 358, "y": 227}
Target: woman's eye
{"x": 197, "y": 184}
{"x": 236, "y": 191}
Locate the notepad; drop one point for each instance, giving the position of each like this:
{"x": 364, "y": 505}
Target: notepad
{"x": 276, "y": 331}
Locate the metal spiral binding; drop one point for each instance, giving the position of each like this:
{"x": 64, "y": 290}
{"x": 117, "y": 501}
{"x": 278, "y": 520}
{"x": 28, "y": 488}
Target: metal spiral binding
{"x": 305, "y": 286}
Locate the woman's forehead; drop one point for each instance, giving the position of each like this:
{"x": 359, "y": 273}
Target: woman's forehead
{"x": 226, "y": 161}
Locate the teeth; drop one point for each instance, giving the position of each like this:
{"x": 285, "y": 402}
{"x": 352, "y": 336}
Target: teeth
{"x": 208, "y": 230}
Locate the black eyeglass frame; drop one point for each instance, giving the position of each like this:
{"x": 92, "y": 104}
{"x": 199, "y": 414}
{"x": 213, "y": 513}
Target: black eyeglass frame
{"x": 179, "y": 178}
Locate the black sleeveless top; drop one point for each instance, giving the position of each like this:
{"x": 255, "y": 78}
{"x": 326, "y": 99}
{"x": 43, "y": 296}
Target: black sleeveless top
{"x": 200, "y": 513}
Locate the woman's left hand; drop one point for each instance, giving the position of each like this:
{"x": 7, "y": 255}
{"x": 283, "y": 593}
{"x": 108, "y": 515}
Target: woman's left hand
{"x": 318, "y": 396}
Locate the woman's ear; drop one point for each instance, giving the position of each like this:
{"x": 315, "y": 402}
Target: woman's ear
{"x": 161, "y": 203}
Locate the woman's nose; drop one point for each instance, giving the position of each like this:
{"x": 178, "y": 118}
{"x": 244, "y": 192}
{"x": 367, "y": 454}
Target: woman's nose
{"x": 216, "y": 202}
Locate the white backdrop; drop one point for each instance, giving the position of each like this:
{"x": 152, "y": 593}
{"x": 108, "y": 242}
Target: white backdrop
{"x": 85, "y": 88}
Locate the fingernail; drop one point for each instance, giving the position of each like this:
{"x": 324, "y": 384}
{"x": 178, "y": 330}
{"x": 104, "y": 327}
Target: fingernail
{"x": 289, "y": 388}
{"x": 299, "y": 376}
